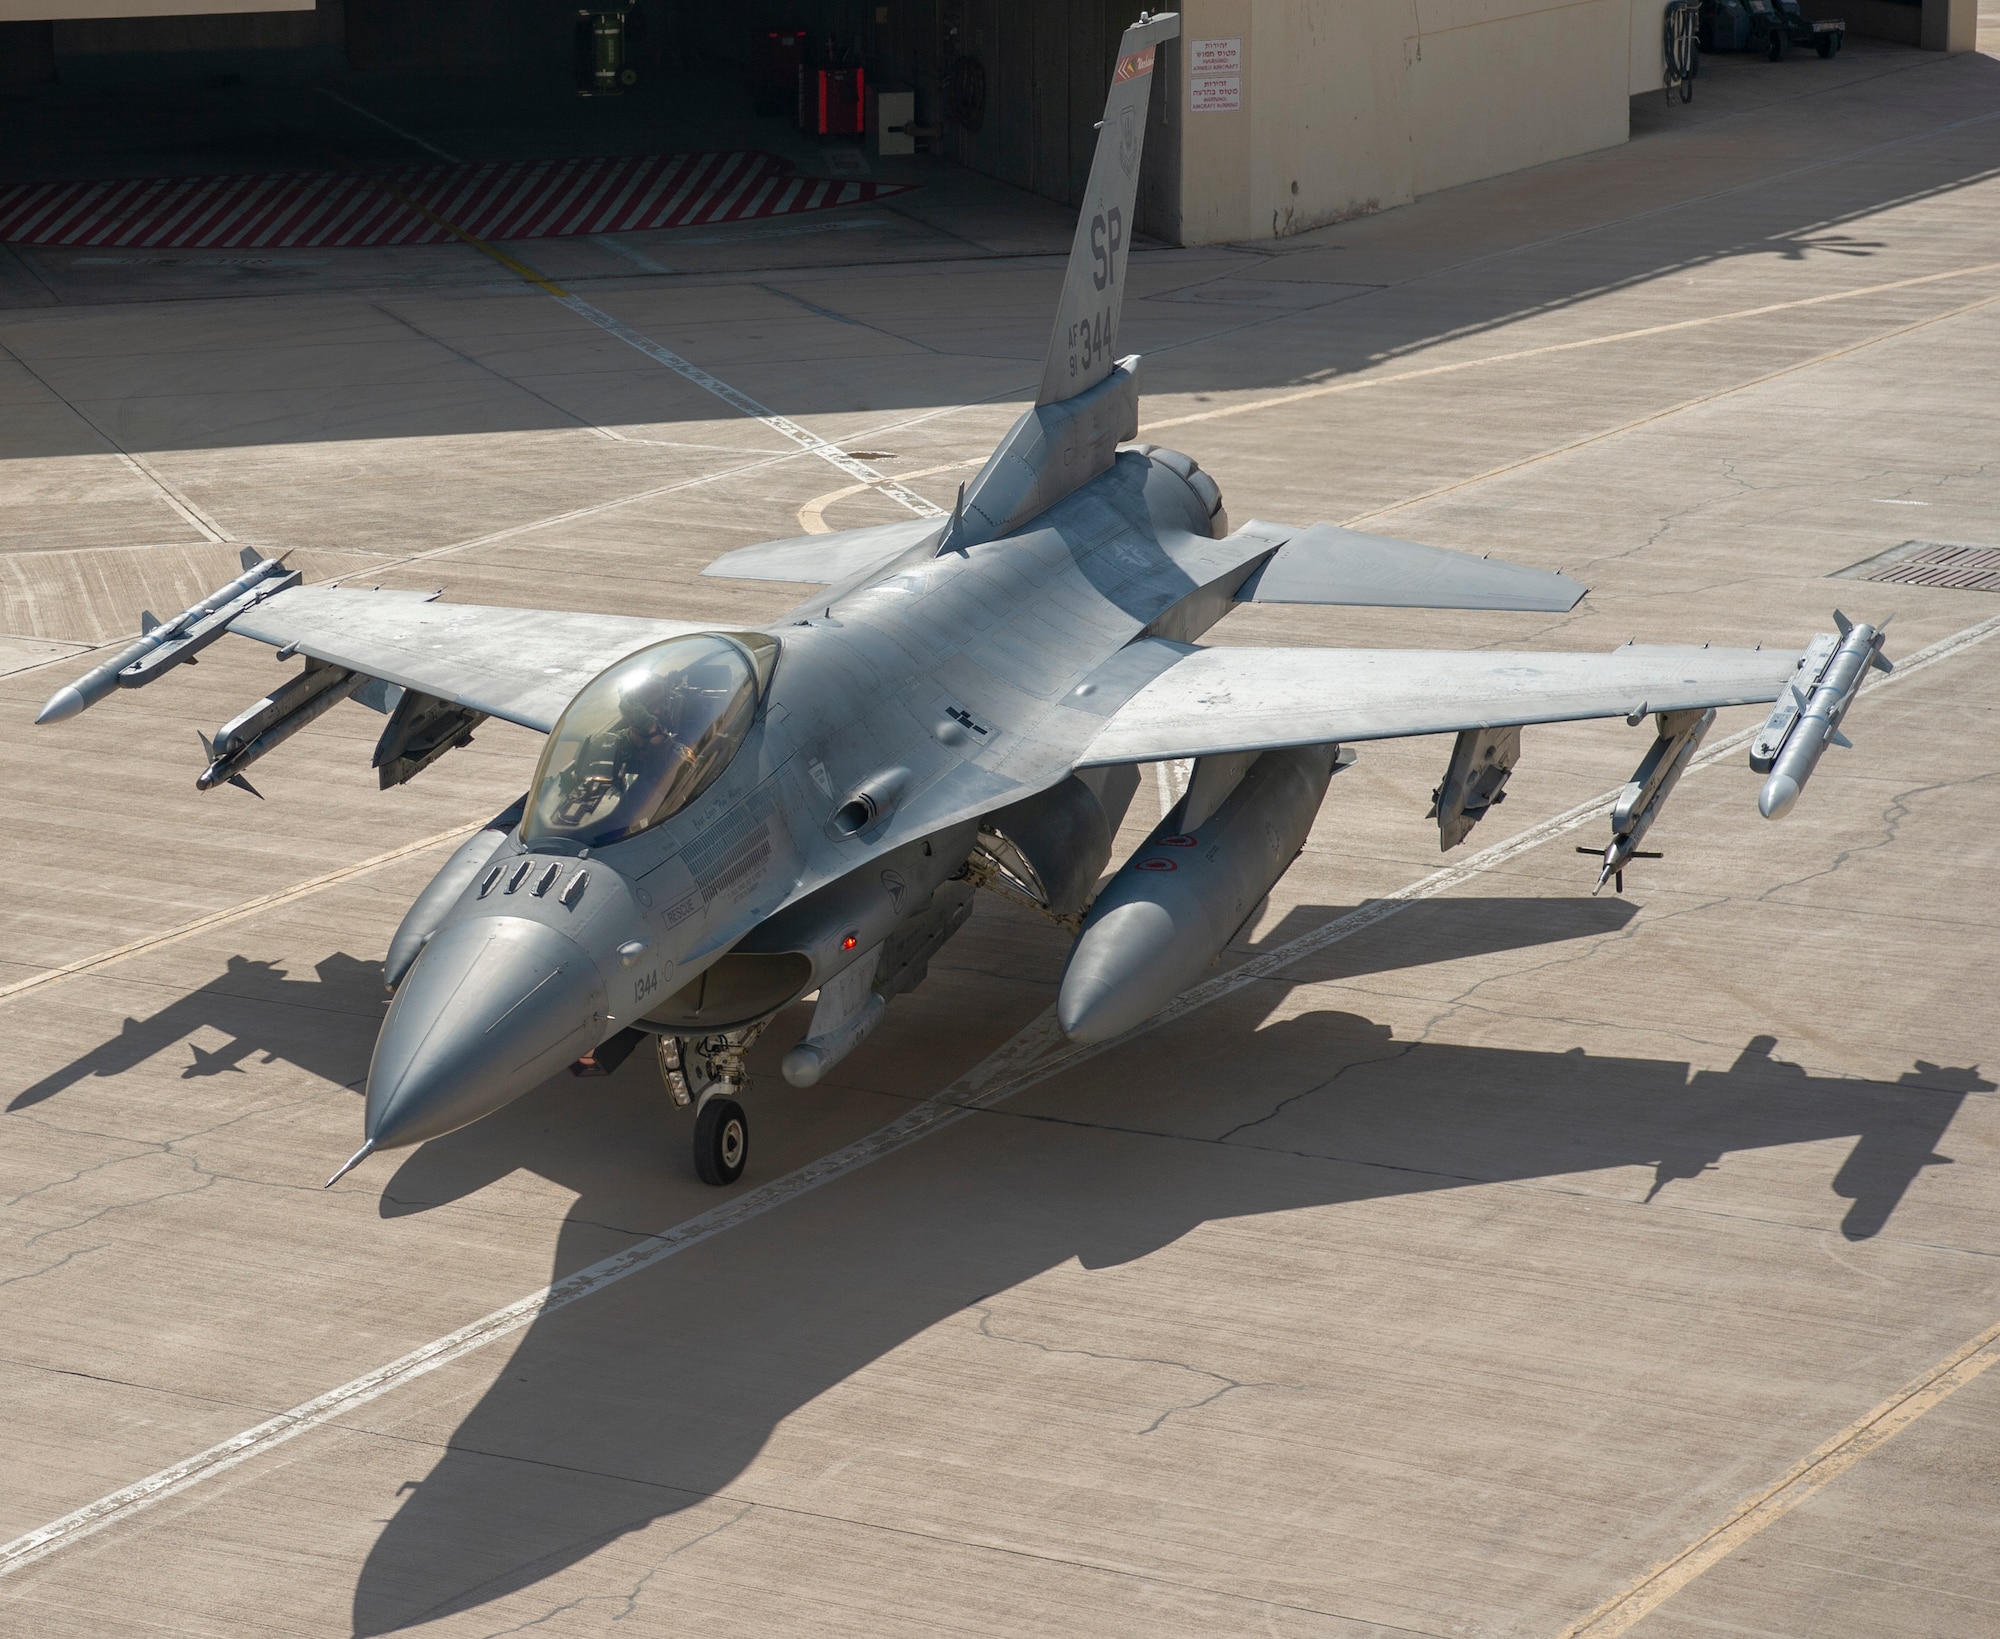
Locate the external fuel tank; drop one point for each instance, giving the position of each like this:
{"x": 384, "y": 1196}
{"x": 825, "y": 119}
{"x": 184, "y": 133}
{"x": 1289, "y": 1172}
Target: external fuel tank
{"x": 1182, "y": 896}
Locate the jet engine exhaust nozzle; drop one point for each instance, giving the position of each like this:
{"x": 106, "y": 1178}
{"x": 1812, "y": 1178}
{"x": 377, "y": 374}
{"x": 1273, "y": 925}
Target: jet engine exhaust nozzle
{"x": 493, "y": 1007}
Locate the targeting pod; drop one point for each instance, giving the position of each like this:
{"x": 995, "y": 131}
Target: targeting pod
{"x": 169, "y": 643}
{"x": 1482, "y": 760}
{"x": 1808, "y": 714}
{"x": 1646, "y": 793}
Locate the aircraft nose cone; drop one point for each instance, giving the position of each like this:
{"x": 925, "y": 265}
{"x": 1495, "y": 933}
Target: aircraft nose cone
{"x": 493, "y": 1007}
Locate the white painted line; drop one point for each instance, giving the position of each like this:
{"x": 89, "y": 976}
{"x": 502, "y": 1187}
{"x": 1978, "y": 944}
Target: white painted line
{"x": 1023, "y": 1062}
{"x": 233, "y": 913}
{"x": 387, "y": 125}
{"x": 615, "y": 244}
{"x": 742, "y": 402}
{"x": 783, "y": 426}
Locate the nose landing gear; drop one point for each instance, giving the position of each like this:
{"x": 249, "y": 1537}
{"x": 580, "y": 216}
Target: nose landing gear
{"x": 721, "y": 1141}
{"x": 707, "y": 1072}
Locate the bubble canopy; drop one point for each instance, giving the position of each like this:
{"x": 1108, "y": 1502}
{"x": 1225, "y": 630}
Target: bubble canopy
{"x": 647, "y": 736}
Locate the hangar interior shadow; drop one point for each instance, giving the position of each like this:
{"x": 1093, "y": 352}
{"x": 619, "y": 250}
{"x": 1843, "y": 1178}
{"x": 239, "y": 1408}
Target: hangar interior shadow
{"x": 642, "y": 1402}
{"x": 1816, "y": 215}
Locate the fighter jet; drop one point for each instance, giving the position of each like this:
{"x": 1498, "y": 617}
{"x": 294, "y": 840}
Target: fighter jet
{"x": 727, "y": 820}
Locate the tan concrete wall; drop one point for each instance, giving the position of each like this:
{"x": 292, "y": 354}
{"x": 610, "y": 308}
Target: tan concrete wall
{"x": 1646, "y": 58}
{"x": 1350, "y": 106}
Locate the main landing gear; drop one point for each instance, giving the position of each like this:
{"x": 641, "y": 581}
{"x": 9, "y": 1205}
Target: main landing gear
{"x": 707, "y": 1072}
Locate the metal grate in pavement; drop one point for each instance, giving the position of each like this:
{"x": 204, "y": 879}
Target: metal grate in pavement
{"x": 1948, "y": 564}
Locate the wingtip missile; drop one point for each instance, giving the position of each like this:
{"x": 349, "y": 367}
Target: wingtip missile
{"x": 1790, "y": 745}
{"x": 164, "y": 644}
{"x": 65, "y": 703}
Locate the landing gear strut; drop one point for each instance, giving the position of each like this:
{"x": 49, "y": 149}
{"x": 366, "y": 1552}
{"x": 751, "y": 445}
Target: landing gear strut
{"x": 707, "y": 1072}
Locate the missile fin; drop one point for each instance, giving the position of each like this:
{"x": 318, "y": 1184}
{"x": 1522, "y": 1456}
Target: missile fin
{"x": 1841, "y": 740}
{"x": 238, "y": 779}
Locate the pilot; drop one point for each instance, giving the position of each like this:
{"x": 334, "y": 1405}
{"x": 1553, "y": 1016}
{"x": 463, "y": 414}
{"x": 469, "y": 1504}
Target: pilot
{"x": 660, "y": 740}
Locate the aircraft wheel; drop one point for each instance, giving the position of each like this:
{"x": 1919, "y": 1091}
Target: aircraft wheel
{"x": 1824, "y": 45}
{"x": 721, "y": 1141}
{"x": 1776, "y": 52}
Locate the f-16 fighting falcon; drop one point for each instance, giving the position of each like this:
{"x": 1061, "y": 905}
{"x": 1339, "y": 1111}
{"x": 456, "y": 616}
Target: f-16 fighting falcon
{"x": 725, "y": 821}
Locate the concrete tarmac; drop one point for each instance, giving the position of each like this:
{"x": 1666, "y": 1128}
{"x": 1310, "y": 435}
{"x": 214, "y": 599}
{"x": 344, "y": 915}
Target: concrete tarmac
{"x": 1499, "y": 1261}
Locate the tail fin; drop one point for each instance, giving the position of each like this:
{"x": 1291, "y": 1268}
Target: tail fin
{"x": 1086, "y": 334}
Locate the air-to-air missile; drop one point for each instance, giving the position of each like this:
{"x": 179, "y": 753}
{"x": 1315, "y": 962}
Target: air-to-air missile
{"x": 1807, "y": 716}
{"x": 1646, "y": 793}
{"x": 727, "y": 823}
{"x": 167, "y": 644}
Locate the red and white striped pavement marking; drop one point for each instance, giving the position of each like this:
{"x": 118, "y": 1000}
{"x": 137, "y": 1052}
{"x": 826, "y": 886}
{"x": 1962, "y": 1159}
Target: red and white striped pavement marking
{"x": 503, "y": 200}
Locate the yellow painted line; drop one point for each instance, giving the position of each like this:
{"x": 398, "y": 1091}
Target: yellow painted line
{"x": 1876, "y": 1428}
{"x": 232, "y": 913}
{"x": 812, "y": 516}
{"x": 478, "y": 244}
{"x": 1363, "y": 383}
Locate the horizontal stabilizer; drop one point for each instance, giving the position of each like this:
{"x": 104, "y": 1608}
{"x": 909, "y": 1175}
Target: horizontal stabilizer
{"x": 825, "y": 560}
{"x": 1212, "y": 701}
{"x": 1327, "y": 564}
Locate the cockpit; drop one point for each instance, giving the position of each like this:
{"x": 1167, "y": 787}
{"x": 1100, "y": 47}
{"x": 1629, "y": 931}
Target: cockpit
{"x": 647, "y": 736}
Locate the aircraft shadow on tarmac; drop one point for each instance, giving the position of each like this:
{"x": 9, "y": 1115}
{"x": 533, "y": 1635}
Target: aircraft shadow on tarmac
{"x": 264, "y": 1010}
{"x": 656, "y": 1394}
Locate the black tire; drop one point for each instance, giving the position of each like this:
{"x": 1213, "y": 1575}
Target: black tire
{"x": 721, "y": 1141}
{"x": 1824, "y": 45}
{"x": 1776, "y": 51}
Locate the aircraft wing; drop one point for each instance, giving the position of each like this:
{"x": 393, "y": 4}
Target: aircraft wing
{"x": 825, "y": 560}
{"x": 1327, "y": 564}
{"x": 522, "y": 665}
{"x": 1234, "y": 699}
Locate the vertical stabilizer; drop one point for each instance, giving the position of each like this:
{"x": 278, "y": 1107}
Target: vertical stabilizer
{"x": 1086, "y": 335}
